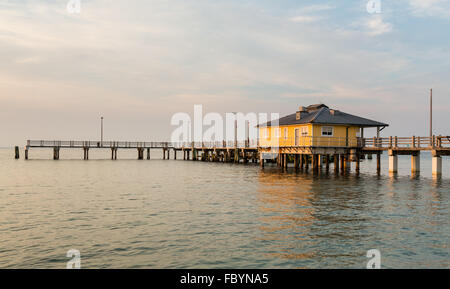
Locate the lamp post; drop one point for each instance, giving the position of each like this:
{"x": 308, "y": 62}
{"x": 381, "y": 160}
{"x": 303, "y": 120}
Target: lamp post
{"x": 235, "y": 129}
{"x": 431, "y": 113}
{"x": 101, "y": 132}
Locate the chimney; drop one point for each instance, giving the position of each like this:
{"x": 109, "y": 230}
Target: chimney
{"x": 301, "y": 112}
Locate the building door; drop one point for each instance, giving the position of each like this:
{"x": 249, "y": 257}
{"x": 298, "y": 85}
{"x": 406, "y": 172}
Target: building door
{"x": 297, "y": 137}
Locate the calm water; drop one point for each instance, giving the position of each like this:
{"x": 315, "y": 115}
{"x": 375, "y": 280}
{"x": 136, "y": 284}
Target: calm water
{"x": 184, "y": 214}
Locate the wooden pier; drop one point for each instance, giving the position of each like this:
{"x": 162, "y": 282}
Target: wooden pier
{"x": 310, "y": 152}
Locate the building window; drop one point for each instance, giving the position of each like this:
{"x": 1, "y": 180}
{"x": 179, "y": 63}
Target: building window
{"x": 277, "y": 132}
{"x": 286, "y": 133}
{"x": 304, "y": 131}
{"x": 266, "y": 133}
{"x": 327, "y": 131}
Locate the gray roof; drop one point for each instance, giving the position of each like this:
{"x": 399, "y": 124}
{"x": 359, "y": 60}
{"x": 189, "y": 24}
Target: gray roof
{"x": 322, "y": 114}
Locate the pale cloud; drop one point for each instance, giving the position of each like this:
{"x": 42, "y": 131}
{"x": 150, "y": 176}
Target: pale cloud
{"x": 430, "y": 8}
{"x": 375, "y": 25}
{"x": 309, "y": 14}
{"x": 305, "y": 19}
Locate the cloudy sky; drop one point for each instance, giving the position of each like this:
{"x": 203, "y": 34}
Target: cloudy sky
{"x": 139, "y": 62}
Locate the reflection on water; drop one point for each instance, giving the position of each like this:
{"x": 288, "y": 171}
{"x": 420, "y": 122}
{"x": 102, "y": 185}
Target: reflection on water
{"x": 333, "y": 219}
{"x": 179, "y": 214}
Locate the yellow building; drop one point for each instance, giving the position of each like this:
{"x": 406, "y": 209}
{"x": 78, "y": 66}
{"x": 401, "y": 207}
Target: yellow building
{"x": 316, "y": 126}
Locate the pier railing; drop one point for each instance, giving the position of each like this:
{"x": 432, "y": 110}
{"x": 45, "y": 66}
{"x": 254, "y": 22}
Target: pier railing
{"x": 125, "y": 144}
{"x": 408, "y": 142}
{"x": 97, "y": 144}
{"x": 302, "y": 141}
{"x": 218, "y": 144}
{"x": 311, "y": 141}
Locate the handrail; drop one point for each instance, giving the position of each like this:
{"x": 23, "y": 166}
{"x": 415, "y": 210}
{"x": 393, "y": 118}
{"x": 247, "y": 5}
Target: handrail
{"x": 408, "y": 142}
{"x": 301, "y": 141}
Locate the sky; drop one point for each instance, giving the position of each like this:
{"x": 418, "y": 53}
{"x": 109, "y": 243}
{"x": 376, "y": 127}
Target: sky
{"x": 138, "y": 62}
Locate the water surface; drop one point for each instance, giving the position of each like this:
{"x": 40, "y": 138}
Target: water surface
{"x": 183, "y": 214}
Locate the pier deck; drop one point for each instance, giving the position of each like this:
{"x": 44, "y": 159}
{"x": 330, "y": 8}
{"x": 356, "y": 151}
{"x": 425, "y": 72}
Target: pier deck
{"x": 318, "y": 151}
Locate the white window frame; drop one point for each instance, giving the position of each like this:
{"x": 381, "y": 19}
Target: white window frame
{"x": 304, "y": 131}
{"x": 327, "y": 127}
{"x": 286, "y": 133}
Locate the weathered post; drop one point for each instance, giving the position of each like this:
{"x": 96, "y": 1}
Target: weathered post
{"x": 436, "y": 165}
{"x": 261, "y": 160}
{"x": 358, "y": 160}
{"x": 26, "y": 153}
{"x": 342, "y": 163}
{"x": 148, "y": 153}
{"x": 378, "y": 163}
{"x": 315, "y": 163}
{"x": 415, "y": 163}
{"x": 17, "y": 154}
{"x": 56, "y": 153}
{"x": 336, "y": 163}
{"x": 393, "y": 162}
{"x": 296, "y": 162}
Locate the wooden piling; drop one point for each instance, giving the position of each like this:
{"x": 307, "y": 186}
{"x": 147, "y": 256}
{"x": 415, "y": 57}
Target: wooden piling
{"x": 17, "y": 154}
{"x": 336, "y": 163}
{"x": 86, "y": 153}
{"x": 140, "y": 153}
{"x": 315, "y": 160}
{"x": 393, "y": 162}
{"x": 56, "y": 153}
{"x": 378, "y": 163}
{"x": 358, "y": 161}
{"x": 415, "y": 163}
